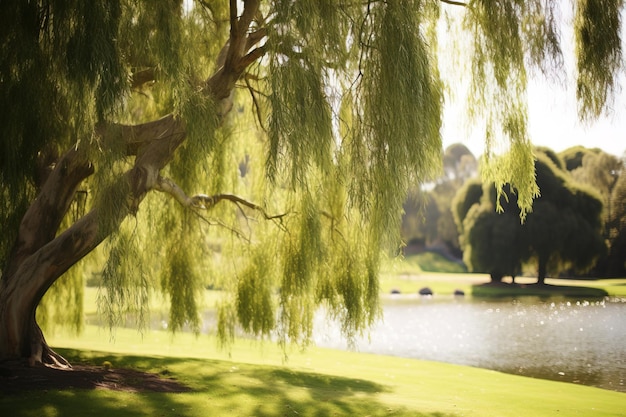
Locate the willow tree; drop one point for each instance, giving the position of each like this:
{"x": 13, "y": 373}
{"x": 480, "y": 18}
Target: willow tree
{"x": 563, "y": 232}
{"x": 129, "y": 122}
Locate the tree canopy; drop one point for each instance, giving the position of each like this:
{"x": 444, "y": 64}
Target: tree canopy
{"x": 259, "y": 145}
{"x": 603, "y": 172}
{"x": 564, "y": 230}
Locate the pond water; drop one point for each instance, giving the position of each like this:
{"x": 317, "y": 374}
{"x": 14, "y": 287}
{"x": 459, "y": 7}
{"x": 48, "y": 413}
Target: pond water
{"x": 580, "y": 341}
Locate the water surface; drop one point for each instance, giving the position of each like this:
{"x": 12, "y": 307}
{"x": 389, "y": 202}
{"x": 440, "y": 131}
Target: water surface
{"x": 580, "y": 341}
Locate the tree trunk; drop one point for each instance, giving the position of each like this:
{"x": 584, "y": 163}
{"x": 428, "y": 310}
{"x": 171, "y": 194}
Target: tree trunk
{"x": 21, "y": 336}
{"x": 542, "y": 270}
{"x": 496, "y": 277}
{"x": 23, "y": 284}
{"x": 41, "y": 255}
{"x": 22, "y": 290}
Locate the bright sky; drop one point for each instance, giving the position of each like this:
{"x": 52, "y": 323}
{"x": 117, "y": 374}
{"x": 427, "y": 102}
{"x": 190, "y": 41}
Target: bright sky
{"x": 553, "y": 122}
{"x": 553, "y": 119}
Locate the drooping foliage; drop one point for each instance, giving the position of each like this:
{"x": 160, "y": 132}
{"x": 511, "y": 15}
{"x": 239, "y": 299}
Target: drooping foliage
{"x": 509, "y": 39}
{"x": 280, "y": 137}
{"x": 597, "y": 26}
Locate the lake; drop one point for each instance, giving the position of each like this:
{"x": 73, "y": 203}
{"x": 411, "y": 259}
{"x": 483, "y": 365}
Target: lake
{"x": 580, "y": 341}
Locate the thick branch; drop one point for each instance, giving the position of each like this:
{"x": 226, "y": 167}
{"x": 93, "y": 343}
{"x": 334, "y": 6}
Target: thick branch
{"x": 255, "y": 37}
{"x": 238, "y": 29}
{"x": 44, "y": 258}
{"x": 166, "y": 185}
{"x": 221, "y": 83}
{"x": 132, "y": 138}
{"x": 43, "y": 218}
{"x": 250, "y": 58}
{"x": 233, "y": 17}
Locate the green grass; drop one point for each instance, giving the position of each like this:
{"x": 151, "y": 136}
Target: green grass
{"x": 434, "y": 262}
{"x": 423, "y": 262}
{"x": 560, "y": 290}
{"x": 408, "y": 278}
{"x": 440, "y": 283}
{"x": 255, "y": 380}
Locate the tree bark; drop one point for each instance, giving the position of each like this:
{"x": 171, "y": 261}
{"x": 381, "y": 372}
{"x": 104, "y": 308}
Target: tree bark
{"x": 542, "y": 270}
{"x": 40, "y": 258}
{"x": 41, "y": 254}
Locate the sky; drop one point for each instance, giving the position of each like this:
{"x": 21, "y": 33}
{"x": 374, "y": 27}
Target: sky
{"x": 553, "y": 122}
{"x": 552, "y": 109}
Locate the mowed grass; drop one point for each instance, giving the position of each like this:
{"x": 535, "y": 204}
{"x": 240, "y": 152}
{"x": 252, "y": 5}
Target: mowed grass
{"x": 254, "y": 379}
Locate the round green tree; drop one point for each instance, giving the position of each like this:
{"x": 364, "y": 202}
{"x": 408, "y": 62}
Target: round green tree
{"x": 493, "y": 243}
{"x": 564, "y": 230}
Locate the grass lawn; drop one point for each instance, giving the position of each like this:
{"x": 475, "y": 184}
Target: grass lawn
{"x": 254, "y": 379}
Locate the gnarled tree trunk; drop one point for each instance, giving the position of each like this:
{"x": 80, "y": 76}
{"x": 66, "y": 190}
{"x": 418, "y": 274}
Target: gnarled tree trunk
{"x": 41, "y": 255}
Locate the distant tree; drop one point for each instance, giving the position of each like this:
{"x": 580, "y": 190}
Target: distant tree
{"x": 616, "y": 261}
{"x": 563, "y": 231}
{"x": 573, "y": 157}
{"x": 494, "y": 243}
{"x": 459, "y": 164}
{"x": 420, "y": 218}
{"x": 467, "y": 196}
{"x": 429, "y": 215}
{"x": 602, "y": 171}
{"x": 552, "y": 156}
{"x": 447, "y": 233}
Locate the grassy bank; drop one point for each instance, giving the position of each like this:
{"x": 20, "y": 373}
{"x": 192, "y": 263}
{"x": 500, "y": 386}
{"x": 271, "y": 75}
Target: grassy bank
{"x": 255, "y": 380}
{"x": 447, "y": 283}
{"x": 443, "y": 277}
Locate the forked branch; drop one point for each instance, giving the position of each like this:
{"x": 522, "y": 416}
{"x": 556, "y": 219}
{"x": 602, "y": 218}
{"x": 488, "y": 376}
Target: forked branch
{"x": 206, "y": 202}
{"x": 455, "y": 3}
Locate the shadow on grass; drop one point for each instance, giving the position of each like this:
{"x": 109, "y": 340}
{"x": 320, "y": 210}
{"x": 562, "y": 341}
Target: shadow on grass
{"x": 217, "y": 388}
{"x": 501, "y": 289}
